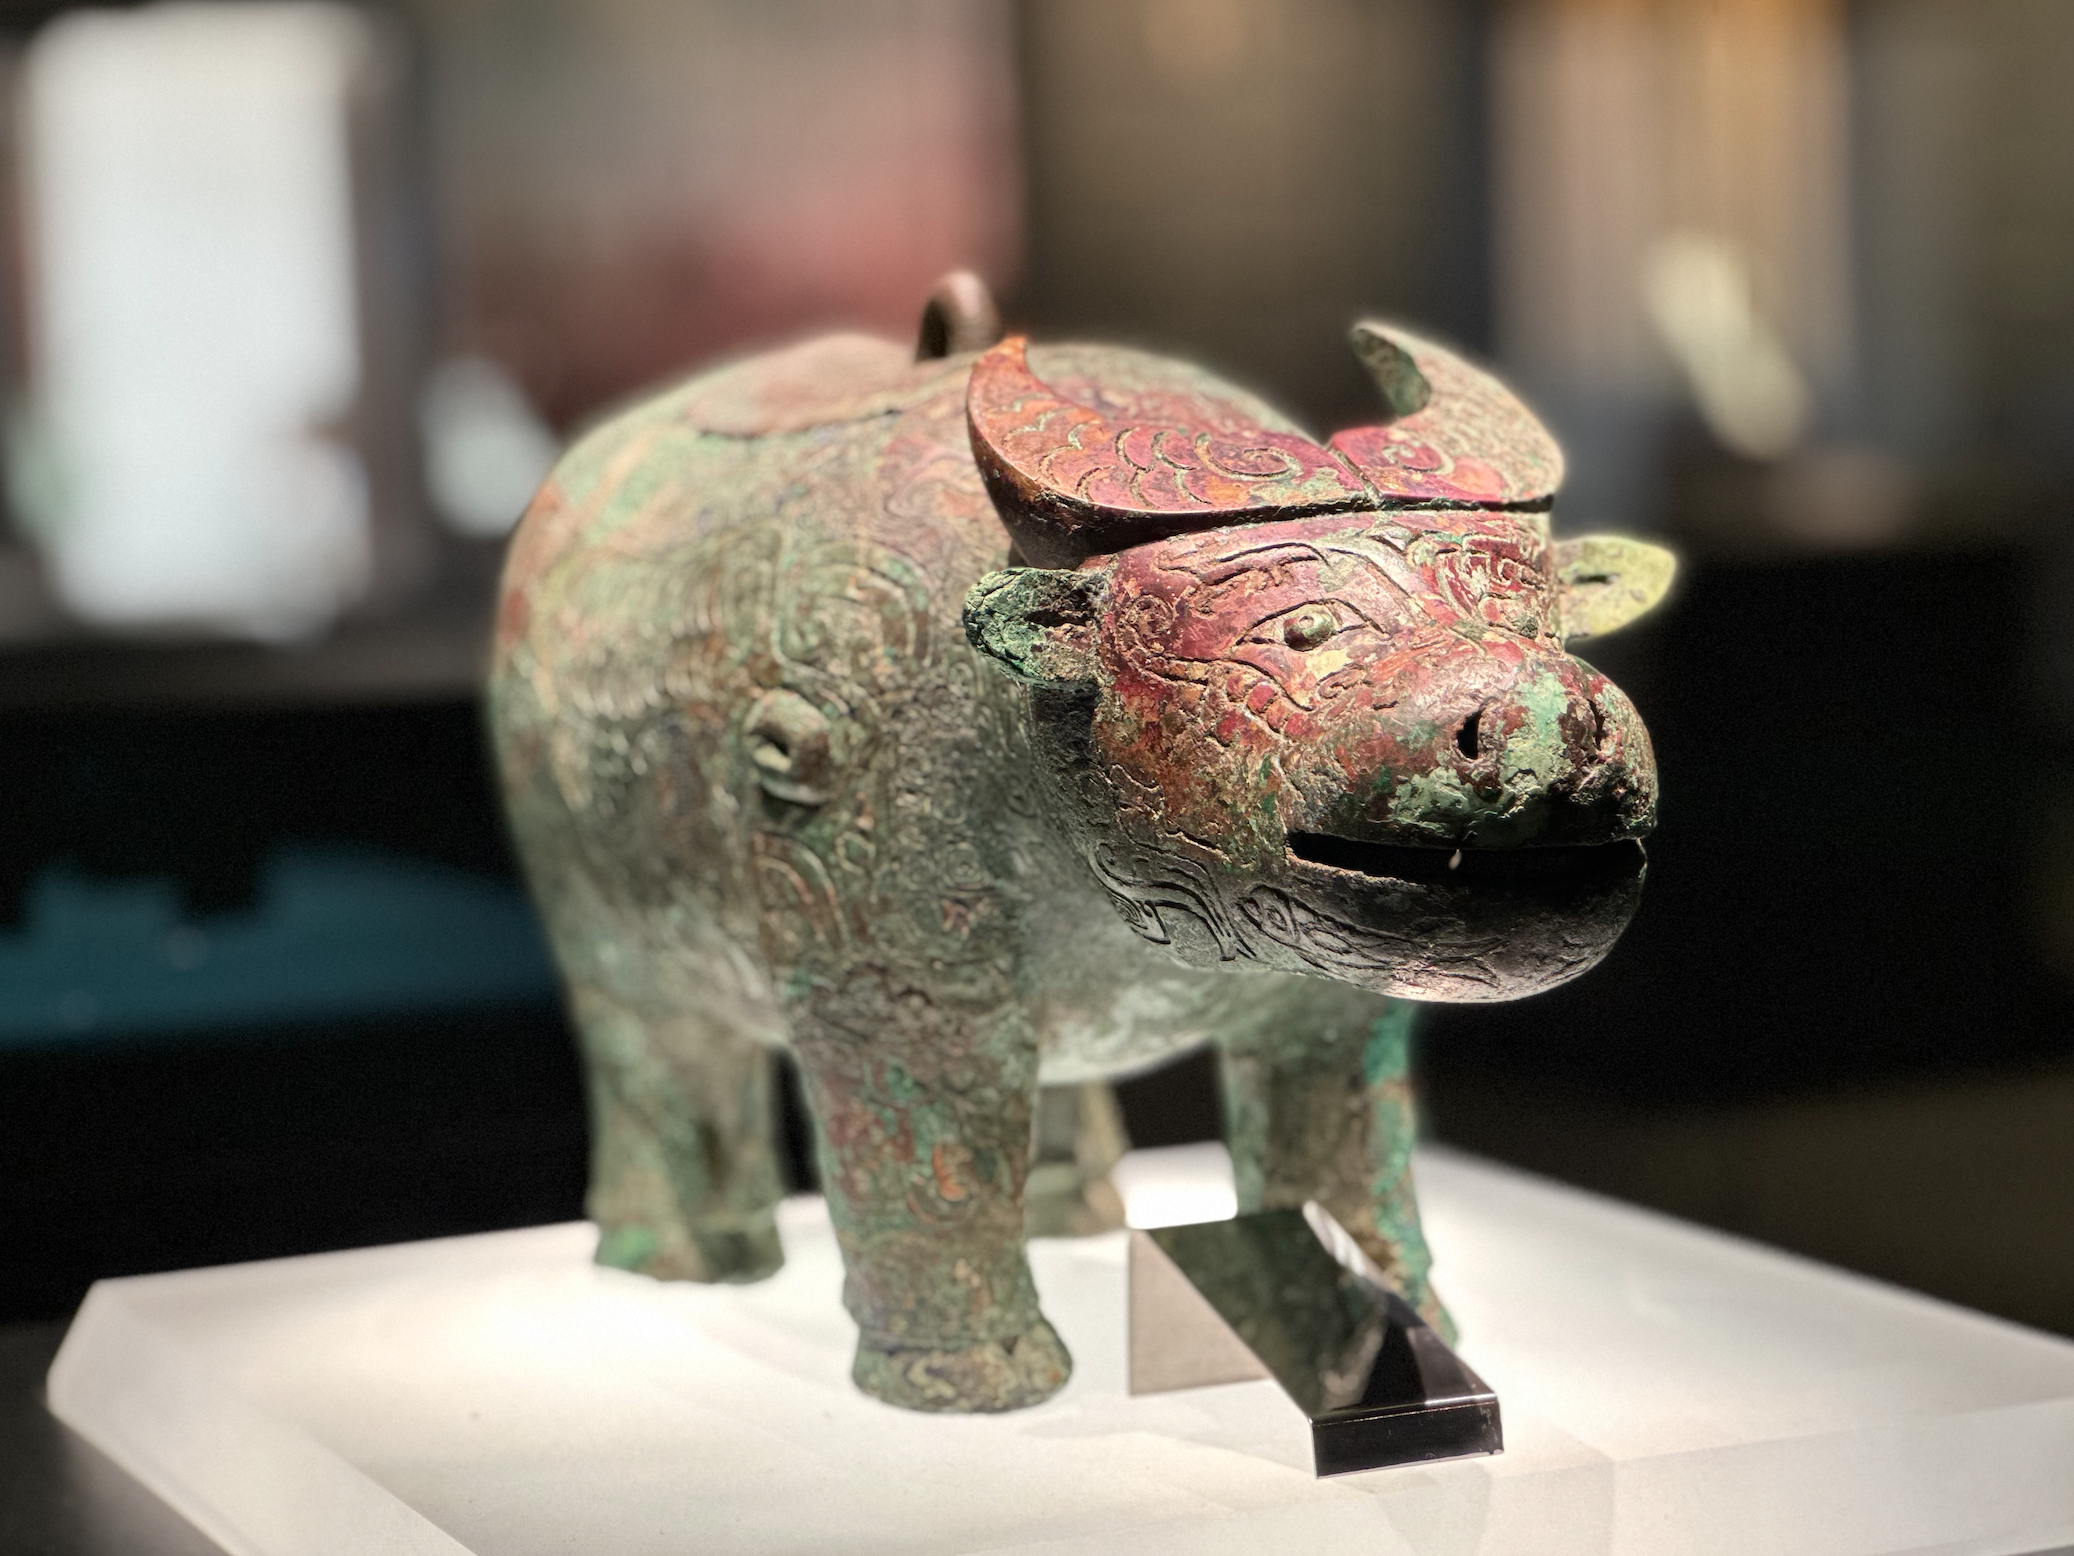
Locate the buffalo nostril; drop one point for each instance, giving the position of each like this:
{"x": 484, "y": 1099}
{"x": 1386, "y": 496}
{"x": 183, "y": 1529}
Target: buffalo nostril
{"x": 1602, "y": 733}
{"x": 1466, "y": 736}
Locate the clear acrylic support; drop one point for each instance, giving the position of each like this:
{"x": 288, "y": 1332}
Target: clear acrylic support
{"x": 1667, "y": 1391}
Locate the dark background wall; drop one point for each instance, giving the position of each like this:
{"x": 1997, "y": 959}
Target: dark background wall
{"x": 323, "y": 1119}
{"x": 1238, "y": 181}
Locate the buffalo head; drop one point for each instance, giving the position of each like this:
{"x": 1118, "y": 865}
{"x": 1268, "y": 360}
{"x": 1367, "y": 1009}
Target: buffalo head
{"x": 1310, "y": 706}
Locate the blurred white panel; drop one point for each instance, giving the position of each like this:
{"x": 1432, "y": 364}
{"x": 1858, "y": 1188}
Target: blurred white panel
{"x": 1700, "y": 297}
{"x": 1618, "y": 124}
{"x": 486, "y": 448}
{"x": 194, "y": 337}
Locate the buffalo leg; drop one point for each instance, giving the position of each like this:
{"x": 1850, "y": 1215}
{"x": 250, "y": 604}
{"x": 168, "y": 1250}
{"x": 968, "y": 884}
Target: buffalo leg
{"x": 1323, "y": 1111}
{"x": 684, "y": 1169}
{"x": 1079, "y": 1137}
{"x": 924, "y": 1135}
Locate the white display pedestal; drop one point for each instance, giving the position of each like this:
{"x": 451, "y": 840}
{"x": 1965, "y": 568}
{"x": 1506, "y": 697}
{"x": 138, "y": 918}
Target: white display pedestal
{"x": 1665, "y": 1391}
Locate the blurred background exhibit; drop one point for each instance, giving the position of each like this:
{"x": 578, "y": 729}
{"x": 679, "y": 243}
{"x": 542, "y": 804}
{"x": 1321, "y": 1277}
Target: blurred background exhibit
{"x": 299, "y": 300}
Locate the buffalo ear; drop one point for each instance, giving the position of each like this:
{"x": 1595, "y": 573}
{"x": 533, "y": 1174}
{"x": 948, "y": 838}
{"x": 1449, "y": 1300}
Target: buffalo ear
{"x": 1037, "y": 623}
{"x": 1606, "y": 581}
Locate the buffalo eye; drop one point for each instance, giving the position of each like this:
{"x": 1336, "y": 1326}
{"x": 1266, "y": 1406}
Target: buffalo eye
{"x": 1309, "y": 627}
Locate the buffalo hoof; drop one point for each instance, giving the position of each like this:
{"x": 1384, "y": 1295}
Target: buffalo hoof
{"x": 991, "y": 1375}
{"x": 735, "y": 1253}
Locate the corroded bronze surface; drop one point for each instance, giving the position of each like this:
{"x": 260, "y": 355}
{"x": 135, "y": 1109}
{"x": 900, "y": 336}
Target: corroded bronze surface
{"x": 1287, "y": 728}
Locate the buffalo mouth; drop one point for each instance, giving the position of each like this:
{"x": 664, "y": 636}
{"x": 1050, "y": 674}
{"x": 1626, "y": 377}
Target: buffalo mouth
{"x": 1475, "y": 869}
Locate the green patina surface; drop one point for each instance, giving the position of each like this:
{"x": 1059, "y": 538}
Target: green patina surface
{"x": 769, "y": 794}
